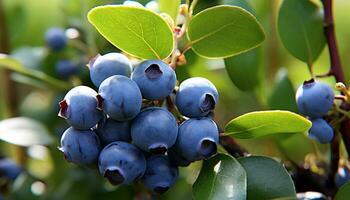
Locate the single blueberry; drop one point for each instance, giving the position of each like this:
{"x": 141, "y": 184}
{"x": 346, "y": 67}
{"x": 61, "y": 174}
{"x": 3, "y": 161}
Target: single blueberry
{"x": 133, "y": 4}
{"x": 66, "y": 68}
{"x": 154, "y": 130}
{"x": 155, "y": 79}
{"x": 197, "y": 139}
{"x": 79, "y": 108}
{"x": 153, "y": 6}
{"x": 160, "y": 174}
{"x": 56, "y": 38}
{"x": 120, "y": 98}
{"x": 196, "y": 97}
{"x": 121, "y": 163}
{"x": 108, "y": 65}
{"x": 9, "y": 170}
{"x": 314, "y": 99}
{"x": 321, "y": 131}
{"x": 110, "y": 130}
{"x": 80, "y": 147}
{"x": 342, "y": 176}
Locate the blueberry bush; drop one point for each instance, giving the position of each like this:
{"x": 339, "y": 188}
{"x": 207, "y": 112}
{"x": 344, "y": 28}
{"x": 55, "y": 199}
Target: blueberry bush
{"x": 175, "y": 99}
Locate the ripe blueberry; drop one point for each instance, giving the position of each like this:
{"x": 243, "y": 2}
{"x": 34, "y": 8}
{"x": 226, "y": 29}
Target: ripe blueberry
{"x": 314, "y": 98}
{"x": 79, "y": 108}
{"x": 55, "y": 38}
{"x": 154, "y": 130}
{"x": 321, "y": 131}
{"x": 66, "y": 68}
{"x": 9, "y": 170}
{"x": 108, "y": 65}
{"x": 197, "y": 139}
{"x": 121, "y": 163}
{"x": 155, "y": 78}
{"x": 120, "y": 98}
{"x": 160, "y": 174}
{"x": 110, "y": 130}
{"x": 196, "y": 97}
{"x": 342, "y": 176}
{"x": 81, "y": 147}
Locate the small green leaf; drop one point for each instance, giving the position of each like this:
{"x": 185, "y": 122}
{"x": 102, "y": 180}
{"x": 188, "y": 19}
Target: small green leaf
{"x": 24, "y": 131}
{"x": 300, "y": 26}
{"x": 283, "y": 94}
{"x": 137, "y": 31}
{"x": 244, "y": 70}
{"x": 343, "y": 192}
{"x": 171, "y": 7}
{"x": 13, "y": 65}
{"x": 266, "y": 178}
{"x": 224, "y": 31}
{"x": 263, "y": 123}
{"x": 221, "y": 177}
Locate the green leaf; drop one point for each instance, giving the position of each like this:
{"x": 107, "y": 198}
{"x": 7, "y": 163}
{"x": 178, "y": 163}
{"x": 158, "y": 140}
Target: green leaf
{"x": 221, "y": 177}
{"x": 283, "y": 94}
{"x": 24, "y": 131}
{"x": 244, "y": 70}
{"x": 344, "y": 192}
{"x": 136, "y": 31}
{"x": 13, "y": 65}
{"x": 300, "y": 26}
{"x": 263, "y": 123}
{"x": 171, "y": 7}
{"x": 224, "y": 31}
{"x": 266, "y": 178}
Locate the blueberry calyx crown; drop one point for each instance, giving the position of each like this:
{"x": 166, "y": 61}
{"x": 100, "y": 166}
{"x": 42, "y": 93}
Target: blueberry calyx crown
{"x": 153, "y": 71}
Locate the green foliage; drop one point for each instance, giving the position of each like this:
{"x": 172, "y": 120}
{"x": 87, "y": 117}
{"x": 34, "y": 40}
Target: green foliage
{"x": 136, "y": 31}
{"x": 300, "y": 25}
{"x": 224, "y": 31}
{"x": 263, "y": 123}
{"x": 343, "y": 192}
{"x": 171, "y": 7}
{"x": 28, "y": 132}
{"x": 266, "y": 178}
{"x": 221, "y": 177}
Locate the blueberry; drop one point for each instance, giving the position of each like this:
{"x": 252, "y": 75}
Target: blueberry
{"x": 121, "y": 163}
{"x": 154, "y": 130}
{"x": 153, "y": 6}
{"x": 55, "y": 38}
{"x": 196, "y": 97}
{"x": 9, "y": 170}
{"x": 176, "y": 159}
{"x": 133, "y": 4}
{"x": 197, "y": 139}
{"x": 342, "y": 176}
{"x": 155, "y": 78}
{"x": 66, "y": 68}
{"x": 321, "y": 131}
{"x": 160, "y": 174}
{"x": 79, "y": 108}
{"x": 120, "y": 98}
{"x": 314, "y": 99}
{"x": 110, "y": 130}
{"x": 108, "y": 65}
{"x": 80, "y": 147}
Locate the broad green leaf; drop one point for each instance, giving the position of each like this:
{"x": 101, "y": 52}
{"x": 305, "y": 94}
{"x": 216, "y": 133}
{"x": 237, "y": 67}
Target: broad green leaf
{"x": 244, "y": 70}
{"x": 221, "y": 177}
{"x": 224, "y": 31}
{"x": 263, "y": 123}
{"x": 136, "y": 31}
{"x": 283, "y": 94}
{"x": 13, "y": 65}
{"x": 266, "y": 178}
{"x": 171, "y": 7}
{"x": 202, "y": 5}
{"x": 24, "y": 131}
{"x": 343, "y": 192}
{"x": 300, "y": 26}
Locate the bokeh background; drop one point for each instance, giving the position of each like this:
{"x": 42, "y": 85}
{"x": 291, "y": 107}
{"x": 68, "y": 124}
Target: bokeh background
{"x": 48, "y": 176}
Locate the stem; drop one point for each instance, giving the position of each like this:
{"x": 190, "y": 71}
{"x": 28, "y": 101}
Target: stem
{"x": 232, "y": 147}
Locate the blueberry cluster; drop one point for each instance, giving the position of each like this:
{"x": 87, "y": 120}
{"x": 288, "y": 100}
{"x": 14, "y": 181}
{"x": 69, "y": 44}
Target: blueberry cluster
{"x": 126, "y": 129}
{"x": 314, "y": 99}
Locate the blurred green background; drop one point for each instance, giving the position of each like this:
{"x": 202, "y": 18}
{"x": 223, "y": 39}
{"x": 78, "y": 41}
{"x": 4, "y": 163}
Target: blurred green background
{"x": 50, "y": 177}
